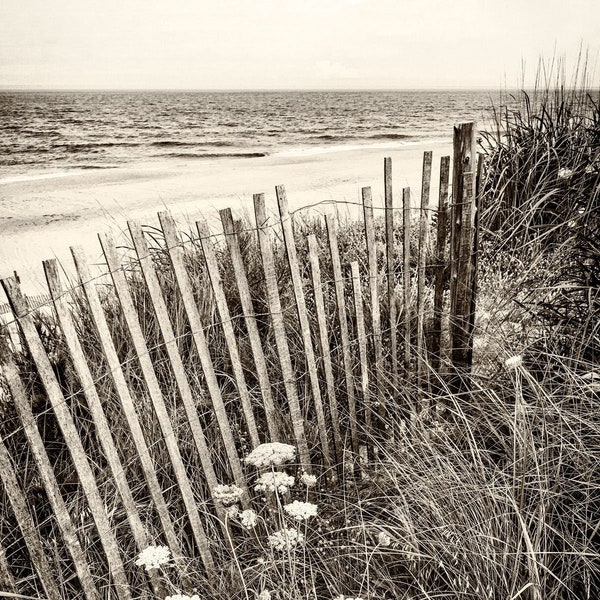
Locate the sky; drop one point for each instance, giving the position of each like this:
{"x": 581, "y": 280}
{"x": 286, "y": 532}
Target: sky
{"x": 290, "y": 44}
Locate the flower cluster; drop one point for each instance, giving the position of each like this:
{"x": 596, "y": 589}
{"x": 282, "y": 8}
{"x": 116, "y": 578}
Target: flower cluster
{"x": 248, "y": 518}
{"x": 153, "y": 557}
{"x": 285, "y": 539}
{"x": 301, "y": 511}
{"x": 183, "y": 597}
{"x": 308, "y": 480}
{"x": 227, "y": 494}
{"x": 383, "y": 539}
{"x": 276, "y": 481}
{"x": 513, "y": 363}
{"x": 264, "y": 595}
{"x": 270, "y": 455}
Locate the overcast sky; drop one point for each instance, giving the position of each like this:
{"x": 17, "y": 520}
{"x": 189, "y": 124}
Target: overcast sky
{"x": 239, "y": 44}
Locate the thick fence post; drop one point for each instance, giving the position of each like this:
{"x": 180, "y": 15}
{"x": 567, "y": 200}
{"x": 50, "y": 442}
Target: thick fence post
{"x": 462, "y": 248}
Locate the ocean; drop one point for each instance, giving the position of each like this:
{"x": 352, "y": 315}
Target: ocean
{"x": 47, "y": 134}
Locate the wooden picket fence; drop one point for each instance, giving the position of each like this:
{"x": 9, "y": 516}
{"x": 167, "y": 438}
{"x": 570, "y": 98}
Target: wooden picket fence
{"x": 385, "y": 344}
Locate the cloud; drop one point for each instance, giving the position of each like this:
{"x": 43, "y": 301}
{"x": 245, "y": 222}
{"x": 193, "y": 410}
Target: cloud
{"x": 327, "y": 69}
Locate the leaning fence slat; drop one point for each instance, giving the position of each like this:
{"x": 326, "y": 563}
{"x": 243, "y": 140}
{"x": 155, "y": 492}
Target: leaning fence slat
{"x": 315, "y": 271}
{"x": 155, "y": 393}
{"x": 442, "y": 226}
{"x": 258, "y": 354}
{"x": 311, "y": 364}
{"x": 34, "y": 439}
{"x": 116, "y": 372}
{"x": 283, "y": 351}
{"x": 175, "y": 252}
{"x": 343, "y": 323}
{"x": 26, "y": 524}
{"x": 230, "y": 341}
{"x": 70, "y": 434}
{"x": 422, "y": 265}
{"x": 183, "y": 386}
{"x": 86, "y": 380}
{"x": 390, "y": 272}
{"x": 362, "y": 345}
{"x": 367, "y": 199}
{"x": 406, "y": 276}
{"x": 7, "y": 581}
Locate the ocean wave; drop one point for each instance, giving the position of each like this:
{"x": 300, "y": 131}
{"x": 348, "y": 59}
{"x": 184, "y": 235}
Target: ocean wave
{"x": 94, "y": 146}
{"x": 178, "y": 144}
{"x": 213, "y": 154}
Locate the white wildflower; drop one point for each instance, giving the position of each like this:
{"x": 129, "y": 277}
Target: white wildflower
{"x": 514, "y": 362}
{"x": 153, "y": 557}
{"x": 183, "y": 597}
{"x": 383, "y": 539}
{"x": 227, "y": 494}
{"x": 285, "y": 539}
{"x": 274, "y": 482}
{"x": 301, "y": 511}
{"x": 565, "y": 173}
{"x": 308, "y": 480}
{"x": 233, "y": 511}
{"x": 269, "y": 455}
{"x": 264, "y": 595}
{"x": 248, "y": 518}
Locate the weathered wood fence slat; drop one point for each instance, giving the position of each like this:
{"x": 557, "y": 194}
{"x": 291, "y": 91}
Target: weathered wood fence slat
{"x": 318, "y": 368}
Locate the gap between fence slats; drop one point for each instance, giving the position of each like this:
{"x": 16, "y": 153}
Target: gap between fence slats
{"x": 342, "y": 318}
{"x": 283, "y": 351}
{"x": 311, "y": 364}
{"x": 315, "y": 270}
{"x": 262, "y": 372}
{"x": 230, "y": 341}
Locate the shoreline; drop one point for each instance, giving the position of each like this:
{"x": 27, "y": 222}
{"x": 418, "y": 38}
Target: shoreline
{"x": 42, "y": 217}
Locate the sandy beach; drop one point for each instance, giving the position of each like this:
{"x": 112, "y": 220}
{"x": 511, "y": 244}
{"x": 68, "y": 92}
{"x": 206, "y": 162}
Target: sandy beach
{"x": 41, "y": 218}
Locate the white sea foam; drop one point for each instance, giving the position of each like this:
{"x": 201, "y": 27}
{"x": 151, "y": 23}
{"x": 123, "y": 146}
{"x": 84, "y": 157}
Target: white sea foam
{"x": 316, "y": 150}
{"x": 32, "y": 177}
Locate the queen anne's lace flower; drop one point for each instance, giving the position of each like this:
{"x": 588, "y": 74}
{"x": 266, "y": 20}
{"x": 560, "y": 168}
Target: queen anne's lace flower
{"x": 274, "y": 482}
{"x": 264, "y": 595}
{"x": 308, "y": 480}
{"x": 183, "y": 597}
{"x": 285, "y": 539}
{"x": 383, "y": 539}
{"x": 565, "y": 173}
{"x": 227, "y": 494}
{"x": 248, "y": 518}
{"x": 153, "y": 557}
{"x": 301, "y": 511}
{"x": 513, "y": 363}
{"x": 269, "y": 455}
